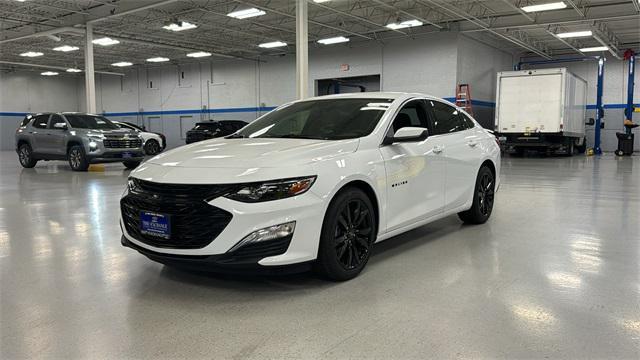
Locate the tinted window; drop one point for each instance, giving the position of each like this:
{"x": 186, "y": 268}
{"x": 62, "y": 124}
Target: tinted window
{"x": 56, "y": 119}
{"x": 90, "y": 122}
{"x": 447, "y": 118}
{"x": 26, "y": 120}
{"x": 330, "y": 119}
{"x": 467, "y": 121}
{"x": 412, "y": 114}
{"x": 205, "y": 126}
{"x": 41, "y": 121}
{"x": 132, "y": 126}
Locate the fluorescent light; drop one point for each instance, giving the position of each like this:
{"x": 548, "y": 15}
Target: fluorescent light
{"x": 122, "y": 64}
{"x": 333, "y": 40}
{"x": 32, "y": 54}
{"x": 66, "y": 48}
{"x": 105, "y": 41}
{"x": 545, "y": 7}
{"x": 404, "y": 24}
{"x": 158, "y": 59}
{"x": 273, "y": 44}
{"x": 49, "y": 73}
{"x": 574, "y": 34}
{"x": 595, "y": 48}
{"x": 246, "y": 13}
{"x": 320, "y": 1}
{"x": 180, "y": 26}
{"x": 74, "y": 70}
{"x": 199, "y": 54}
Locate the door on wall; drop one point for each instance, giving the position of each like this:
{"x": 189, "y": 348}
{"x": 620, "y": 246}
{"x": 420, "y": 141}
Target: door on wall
{"x": 154, "y": 124}
{"x": 348, "y": 85}
{"x": 186, "y": 123}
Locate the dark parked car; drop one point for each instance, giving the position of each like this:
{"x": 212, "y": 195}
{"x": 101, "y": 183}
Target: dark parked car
{"x": 213, "y": 129}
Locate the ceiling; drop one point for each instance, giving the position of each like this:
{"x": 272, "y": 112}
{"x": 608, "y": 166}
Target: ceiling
{"x": 616, "y": 23}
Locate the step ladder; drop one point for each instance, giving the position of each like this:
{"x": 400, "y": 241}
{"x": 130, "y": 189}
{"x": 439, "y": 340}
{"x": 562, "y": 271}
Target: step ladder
{"x": 463, "y": 97}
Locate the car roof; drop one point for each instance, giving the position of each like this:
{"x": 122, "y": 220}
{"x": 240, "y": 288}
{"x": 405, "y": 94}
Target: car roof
{"x": 371, "y": 95}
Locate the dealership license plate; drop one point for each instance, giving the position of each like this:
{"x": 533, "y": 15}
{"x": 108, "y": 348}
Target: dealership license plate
{"x": 127, "y": 155}
{"x": 155, "y": 224}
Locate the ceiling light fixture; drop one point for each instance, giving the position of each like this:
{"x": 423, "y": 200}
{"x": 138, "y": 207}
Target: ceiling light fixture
{"x": 273, "y": 44}
{"x": 333, "y": 40}
{"x": 594, "y": 49}
{"x": 122, "y": 64}
{"x": 199, "y": 54}
{"x": 158, "y": 59}
{"x": 545, "y": 7}
{"x": 32, "y": 54}
{"x": 49, "y": 73}
{"x": 73, "y": 70}
{"x": 246, "y": 13}
{"x": 404, "y": 24}
{"x": 66, "y": 48}
{"x": 574, "y": 34}
{"x": 320, "y": 1}
{"x": 180, "y": 26}
{"x": 105, "y": 41}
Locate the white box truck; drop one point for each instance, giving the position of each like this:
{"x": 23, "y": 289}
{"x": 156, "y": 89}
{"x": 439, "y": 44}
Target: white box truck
{"x": 541, "y": 109}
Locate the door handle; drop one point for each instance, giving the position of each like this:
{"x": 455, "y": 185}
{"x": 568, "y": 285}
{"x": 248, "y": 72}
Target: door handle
{"x": 438, "y": 149}
{"x": 472, "y": 143}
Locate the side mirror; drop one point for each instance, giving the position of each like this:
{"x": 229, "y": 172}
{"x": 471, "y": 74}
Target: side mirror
{"x": 590, "y": 122}
{"x": 60, "y": 126}
{"x": 408, "y": 134}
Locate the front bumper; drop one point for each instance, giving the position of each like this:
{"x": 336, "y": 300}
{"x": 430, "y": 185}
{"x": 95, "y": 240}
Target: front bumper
{"x": 306, "y": 210}
{"x": 116, "y": 155}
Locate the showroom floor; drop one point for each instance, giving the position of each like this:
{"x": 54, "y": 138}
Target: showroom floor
{"x": 555, "y": 273}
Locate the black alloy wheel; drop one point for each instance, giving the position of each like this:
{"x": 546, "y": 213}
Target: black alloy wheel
{"x": 486, "y": 193}
{"x": 483, "y": 198}
{"x": 25, "y": 156}
{"x": 348, "y": 233}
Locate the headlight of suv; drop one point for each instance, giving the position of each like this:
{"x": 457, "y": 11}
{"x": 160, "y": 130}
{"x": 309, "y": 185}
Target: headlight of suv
{"x": 272, "y": 190}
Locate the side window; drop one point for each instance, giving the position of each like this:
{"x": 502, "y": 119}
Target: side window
{"x": 41, "y": 121}
{"x": 56, "y": 119}
{"x": 469, "y": 124}
{"x": 447, "y": 118}
{"x": 412, "y": 114}
{"x": 26, "y": 120}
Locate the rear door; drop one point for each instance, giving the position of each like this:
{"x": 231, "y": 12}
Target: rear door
{"x": 56, "y": 136}
{"x": 461, "y": 152}
{"x": 39, "y": 132}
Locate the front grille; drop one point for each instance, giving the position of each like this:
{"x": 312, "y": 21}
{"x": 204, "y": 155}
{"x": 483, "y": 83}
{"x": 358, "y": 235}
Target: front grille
{"x": 122, "y": 143}
{"x": 194, "y": 223}
{"x": 252, "y": 253}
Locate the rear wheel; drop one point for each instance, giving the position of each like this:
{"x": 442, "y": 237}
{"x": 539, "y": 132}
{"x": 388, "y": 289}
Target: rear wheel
{"x": 152, "y": 147}
{"x": 131, "y": 164}
{"x": 348, "y": 233}
{"x": 77, "y": 158}
{"x": 581, "y": 147}
{"x": 25, "y": 156}
{"x": 483, "y": 197}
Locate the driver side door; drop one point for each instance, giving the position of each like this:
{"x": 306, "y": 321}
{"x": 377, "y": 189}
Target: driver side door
{"x": 414, "y": 171}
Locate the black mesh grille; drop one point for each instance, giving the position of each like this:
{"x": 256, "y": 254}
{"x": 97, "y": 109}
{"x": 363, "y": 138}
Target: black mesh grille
{"x": 252, "y": 253}
{"x": 194, "y": 223}
{"x": 122, "y": 143}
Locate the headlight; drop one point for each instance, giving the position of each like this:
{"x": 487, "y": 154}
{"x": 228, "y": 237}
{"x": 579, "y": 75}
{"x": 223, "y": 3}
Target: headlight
{"x": 272, "y": 190}
{"x": 132, "y": 184}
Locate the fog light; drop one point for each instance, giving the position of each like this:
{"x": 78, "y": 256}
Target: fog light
{"x": 266, "y": 234}
{"x": 93, "y": 145}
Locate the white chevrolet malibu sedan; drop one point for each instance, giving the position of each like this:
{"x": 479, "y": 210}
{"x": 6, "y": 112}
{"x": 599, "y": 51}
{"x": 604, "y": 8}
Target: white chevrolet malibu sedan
{"x": 312, "y": 184}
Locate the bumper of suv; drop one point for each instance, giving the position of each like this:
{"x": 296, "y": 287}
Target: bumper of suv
{"x": 115, "y": 156}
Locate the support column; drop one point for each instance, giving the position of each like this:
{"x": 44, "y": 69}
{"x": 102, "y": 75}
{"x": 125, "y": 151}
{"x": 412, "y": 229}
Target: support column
{"x": 599, "y": 108}
{"x": 89, "y": 71}
{"x": 302, "y": 49}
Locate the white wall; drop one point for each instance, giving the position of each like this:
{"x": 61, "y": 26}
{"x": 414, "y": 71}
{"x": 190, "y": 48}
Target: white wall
{"x": 26, "y": 91}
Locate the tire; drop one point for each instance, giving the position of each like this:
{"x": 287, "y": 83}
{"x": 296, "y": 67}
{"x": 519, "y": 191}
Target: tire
{"x": 25, "y": 156}
{"x": 483, "y": 198}
{"x": 152, "y": 147}
{"x": 131, "y": 164}
{"x": 77, "y": 158}
{"x": 348, "y": 233}
{"x": 570, "y": 148}
{"x": 582, "y": 148}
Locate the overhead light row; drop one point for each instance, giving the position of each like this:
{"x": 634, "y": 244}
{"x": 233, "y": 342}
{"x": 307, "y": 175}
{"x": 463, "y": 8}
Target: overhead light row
{"x": 578, "y": 34}
{"x": 545, "y": 7}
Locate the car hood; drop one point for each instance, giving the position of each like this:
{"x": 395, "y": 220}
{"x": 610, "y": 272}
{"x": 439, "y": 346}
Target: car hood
{"x": 252, "y": 153}
{"x": 119, "y": 132}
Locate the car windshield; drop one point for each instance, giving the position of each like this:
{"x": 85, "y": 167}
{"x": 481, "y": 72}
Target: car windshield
{"x": 130, "y": 126}
{"x": 206, "y": 126}
{"x": 90, "y": 122}
{"x": 330, "y": 119}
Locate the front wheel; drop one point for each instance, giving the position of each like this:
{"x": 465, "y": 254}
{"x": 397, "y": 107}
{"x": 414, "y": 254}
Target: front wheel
{"x": 152, "y": 147}
{"x": 77, "y": 158}
{"x": 348, "y": 233}
{"x": 131, "y": 164}
{"x": 25, "y": 156}
{"x": 483, "y": 196}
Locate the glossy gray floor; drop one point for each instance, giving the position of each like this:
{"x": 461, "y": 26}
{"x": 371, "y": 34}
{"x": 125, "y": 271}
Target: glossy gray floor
{"x": 555, "y": 273}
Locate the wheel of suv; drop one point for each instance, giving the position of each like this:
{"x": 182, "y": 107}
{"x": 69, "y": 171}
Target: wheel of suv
{"x": 483, "y": 196}
{"x": 582, "y": 148}
{"x": 348, "y": 233}
{"x": 152, "y": 147}
{"x": 77, "y": 158}
{"x": 131, "y": 164}
{"x": 25, "y": 156}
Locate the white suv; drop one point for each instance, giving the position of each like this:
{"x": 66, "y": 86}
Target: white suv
{"x": 313, "y": 183}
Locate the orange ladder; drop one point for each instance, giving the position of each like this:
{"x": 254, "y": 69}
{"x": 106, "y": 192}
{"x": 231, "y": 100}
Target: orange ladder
{"x": 463, "y": 97}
